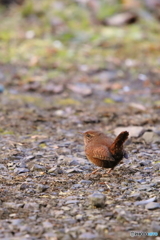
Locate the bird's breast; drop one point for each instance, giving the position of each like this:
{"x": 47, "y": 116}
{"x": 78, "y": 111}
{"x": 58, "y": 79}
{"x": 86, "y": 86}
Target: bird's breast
{"x": 96, "y": 161}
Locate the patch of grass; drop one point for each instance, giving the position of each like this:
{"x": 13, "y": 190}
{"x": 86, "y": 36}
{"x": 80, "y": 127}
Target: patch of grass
{"x": 109, "y": 100}
{"x": 27, "y": 9}
{"x": 108, "y": 9}
{"x": 5, "y": 132}
{"x": 28, "y": 99}
{"x": 67, "y": 101}
{"x": 64, "y": 35}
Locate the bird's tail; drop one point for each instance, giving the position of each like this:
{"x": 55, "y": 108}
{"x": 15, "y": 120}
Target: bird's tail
{"x": 117, "y": 145}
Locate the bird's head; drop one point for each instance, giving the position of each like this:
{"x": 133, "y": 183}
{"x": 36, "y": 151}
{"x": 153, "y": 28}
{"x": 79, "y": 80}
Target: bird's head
{"x": 90, "y": 135}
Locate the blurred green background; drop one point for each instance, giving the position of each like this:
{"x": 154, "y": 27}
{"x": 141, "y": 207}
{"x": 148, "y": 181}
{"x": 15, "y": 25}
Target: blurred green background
{"x": 64, "y": 34}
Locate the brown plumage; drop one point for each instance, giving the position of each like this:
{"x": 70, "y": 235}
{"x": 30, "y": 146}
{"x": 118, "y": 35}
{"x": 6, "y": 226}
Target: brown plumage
{"x": 104, "y": 151}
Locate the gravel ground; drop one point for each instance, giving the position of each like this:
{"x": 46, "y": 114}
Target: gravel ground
{"x": 45, "y": 190}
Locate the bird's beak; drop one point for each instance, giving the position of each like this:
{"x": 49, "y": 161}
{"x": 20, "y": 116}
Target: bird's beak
{"x": 81, "y": 133}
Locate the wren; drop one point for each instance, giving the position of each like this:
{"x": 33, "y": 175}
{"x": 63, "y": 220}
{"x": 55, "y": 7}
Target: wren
{"x": 104, "y": 151}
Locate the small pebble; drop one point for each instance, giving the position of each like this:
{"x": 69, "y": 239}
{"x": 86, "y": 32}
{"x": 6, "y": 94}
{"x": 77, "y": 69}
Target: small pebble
{"x": 88, "y": 235}
{"x": 37, "y": 167}
{"x": 42, "y": 188}
{"x": 87, "y": 182}
{"x": 74, "y": 170}
{"x": 56, "y": 170}
{"x": 1, "y": 88}
{"x": 75, "y": 186}
{"x": 143, "y": 202}
{"x": 152, "y": 205}
{"x": 97, "y": 199}
{"x": 74, "y": 163}
{"x": 72, "y": 202}
{"x": 13, "y": 205}
{"x": 23, "y": 186}
{"x": 20, "y": 170}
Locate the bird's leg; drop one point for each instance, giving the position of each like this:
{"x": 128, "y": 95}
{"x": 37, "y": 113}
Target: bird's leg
{"x": 108, "y": 186}
{"x": 107, "y": 172}
{"x": 98, "y": 170}
{"x": 105, "y": 183}
{"x": 94, "y": 171}
{"x": 88, "y": 175}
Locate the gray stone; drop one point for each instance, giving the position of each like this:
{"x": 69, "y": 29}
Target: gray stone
{"x": 97, "y": 199}
{"x": 23, "y": 186}
{"x": 74, "y": 163}
{"x": 155, "y": 227}
{"x": 88, "y": 235}
{"x": 86, "y": 167}
{"x": 47, "y": 225}
{"x": 156, "y": 166}
{"x": 79, "y": 217}
{"x": 87, "y": 182}
{"x": 37, "y": 167}
{"x": 151, "y": 137}
{"x": 51, "y": 235}
{"x": 135, "y": 196}
{"x": 71, "y": 197}
{"x": 42, "y": 188}
{"x": 144, "y": 187}
{"x": 22, "y": 165}
{"x": 3, "y": 167}
{"x": 134, "y": 131}
{"x": 148, "y": 169}
{"x": 125, "y": 216}
{"x": 156, "y": 179}
{"x": 145, "y": 163}
{"x": 53, "y": 169}
{"x": 72, "y": 202}
{"x": 60, "y": 159}
{"x": 56, "y": 170}
{"x": 29, "y": 158}
{"x": 13, "y": 205}
{"x": 74, "y": 170}
{"x": 21, "y": 170}
{"x": 75, "y": 186}
{"x": 143, "y": 202}
{"x": 152, "y": 205}
{"x": 66, "y": 237}
{"x": 101, "y": 228}
{"x": 31, "y": 205}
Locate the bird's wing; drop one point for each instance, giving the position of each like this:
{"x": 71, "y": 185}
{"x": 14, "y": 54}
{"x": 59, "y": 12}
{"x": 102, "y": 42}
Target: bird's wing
{"x": 102, "y": 152}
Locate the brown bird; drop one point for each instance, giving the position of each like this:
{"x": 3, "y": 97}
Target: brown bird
{"x": 104, "y": 151}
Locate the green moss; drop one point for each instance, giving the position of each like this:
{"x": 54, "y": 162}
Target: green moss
{"x": 68, "y": 101}
{"x": 5, "y": 132}
{"x": 42, "y": 145}
{"x": 109, "y": 100}
{"x": 29, "y": 99}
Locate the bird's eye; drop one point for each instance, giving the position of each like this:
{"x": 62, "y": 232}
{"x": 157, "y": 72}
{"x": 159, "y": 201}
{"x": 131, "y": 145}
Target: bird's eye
{"x": 88, "y": 135}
